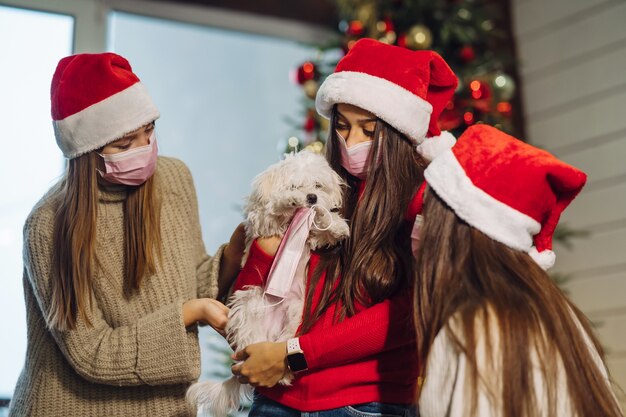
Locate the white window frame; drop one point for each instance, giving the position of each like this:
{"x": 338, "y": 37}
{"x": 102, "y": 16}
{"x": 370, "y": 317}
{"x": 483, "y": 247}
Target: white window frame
{"x": 90, "y": 19}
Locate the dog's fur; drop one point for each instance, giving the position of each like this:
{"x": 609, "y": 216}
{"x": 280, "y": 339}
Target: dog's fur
{"x": 300, "y": 180}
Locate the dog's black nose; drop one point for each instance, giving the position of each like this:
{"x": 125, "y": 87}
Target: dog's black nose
{"x": 311, "y": 198}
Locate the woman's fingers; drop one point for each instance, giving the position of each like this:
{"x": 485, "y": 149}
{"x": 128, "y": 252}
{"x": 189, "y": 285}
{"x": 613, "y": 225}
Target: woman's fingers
{"x": 214, "y": 313}
{"x": 220, "y": 305}
{"x": 239, "y": 356}
{"x": 263, "y": 364}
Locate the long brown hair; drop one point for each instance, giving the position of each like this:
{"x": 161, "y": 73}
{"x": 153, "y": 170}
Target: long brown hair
{"x": 463, "y": 273}
{"x": 76, "y": 198}
{"x": 376, "y": 260}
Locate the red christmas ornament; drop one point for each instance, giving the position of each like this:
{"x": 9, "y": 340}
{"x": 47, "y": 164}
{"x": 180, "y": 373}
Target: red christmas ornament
{"x": 306, "y": 72}
{"x": 355, "y": 28}
{"x": 505, "y": 108}
{"x": 402, "y": 40}
{"x": 467, "y": 53}
{"x": 468, "y": 118}
{"x": 309, "y": 124}
{"x": 479, "y": 90}
{"x": 388, "y": 24}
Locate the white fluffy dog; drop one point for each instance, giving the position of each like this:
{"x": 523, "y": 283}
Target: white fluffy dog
{"x": 302, "y": 180}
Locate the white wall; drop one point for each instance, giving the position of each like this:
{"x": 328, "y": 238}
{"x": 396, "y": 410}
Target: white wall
{"x": 573, "y": 68}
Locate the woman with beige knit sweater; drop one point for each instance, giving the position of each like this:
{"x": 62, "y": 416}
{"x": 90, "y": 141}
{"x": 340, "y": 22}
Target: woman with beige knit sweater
{"x": 116, "y": 275}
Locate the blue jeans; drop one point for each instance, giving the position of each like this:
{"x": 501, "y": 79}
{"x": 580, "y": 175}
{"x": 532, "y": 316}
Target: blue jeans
{"x": 264, "y": 407}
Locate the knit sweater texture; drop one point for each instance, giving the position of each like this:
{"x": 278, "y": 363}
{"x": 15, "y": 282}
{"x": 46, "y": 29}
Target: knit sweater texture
{"x": 138, "y": 358}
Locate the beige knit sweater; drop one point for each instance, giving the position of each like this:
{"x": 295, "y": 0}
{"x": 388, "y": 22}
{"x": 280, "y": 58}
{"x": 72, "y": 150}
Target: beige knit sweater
{"x": 138, "y": 359}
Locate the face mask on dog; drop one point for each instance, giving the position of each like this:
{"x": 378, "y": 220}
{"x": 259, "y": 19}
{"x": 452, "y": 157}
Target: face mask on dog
{"x": 290, "y": 250}
{"x": 355, "y": 158}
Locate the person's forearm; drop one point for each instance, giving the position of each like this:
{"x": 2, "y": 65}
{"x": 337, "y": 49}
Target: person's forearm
{"x": 230, "y": 265}
{"x": 381, "y": 327}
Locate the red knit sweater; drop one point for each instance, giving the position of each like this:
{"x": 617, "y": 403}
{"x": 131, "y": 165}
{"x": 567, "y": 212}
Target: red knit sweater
{"x": 370, "y": 356}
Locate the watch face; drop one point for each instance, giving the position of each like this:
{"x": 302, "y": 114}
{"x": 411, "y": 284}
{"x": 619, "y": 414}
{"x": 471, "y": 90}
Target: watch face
{"x": 297, "y": 362}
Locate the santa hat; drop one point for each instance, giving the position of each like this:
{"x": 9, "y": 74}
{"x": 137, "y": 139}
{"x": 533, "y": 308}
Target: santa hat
{"x": 407, "y": 89}
{"x": 96, "y": 99}
{"x": 511, "y": 191}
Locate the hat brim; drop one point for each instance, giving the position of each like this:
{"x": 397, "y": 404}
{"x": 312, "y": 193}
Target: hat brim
{"x": 105, "y": 121}
{"x": 399, "y": 107}
{"x": 499, "y": 221}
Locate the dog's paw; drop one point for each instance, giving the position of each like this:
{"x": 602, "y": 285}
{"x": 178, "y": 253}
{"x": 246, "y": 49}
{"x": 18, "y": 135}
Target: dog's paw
{"x": 339, "y": 229}
{"x": 287, "y": 379}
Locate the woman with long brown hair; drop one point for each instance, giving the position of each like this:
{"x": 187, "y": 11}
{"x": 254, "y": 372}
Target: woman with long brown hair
{"x": 354, "y": 354}
{"x": 498, "y": 337}
{"x": 115, "y": 271}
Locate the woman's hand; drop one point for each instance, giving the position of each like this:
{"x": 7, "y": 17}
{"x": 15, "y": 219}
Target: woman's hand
{"x": 206, "y": 310}
{"x": 264, "y": 364}
{"x": 230, "y": 264}
{"x": 269, "y": 245}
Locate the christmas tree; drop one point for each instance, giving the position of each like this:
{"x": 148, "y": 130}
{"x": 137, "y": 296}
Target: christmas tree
{"x": 471, "y": 35}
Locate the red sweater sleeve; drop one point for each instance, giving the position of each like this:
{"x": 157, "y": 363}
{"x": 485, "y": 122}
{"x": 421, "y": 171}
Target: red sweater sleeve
{"x": 256, "y": 268}
{"x": 379, "y": 328}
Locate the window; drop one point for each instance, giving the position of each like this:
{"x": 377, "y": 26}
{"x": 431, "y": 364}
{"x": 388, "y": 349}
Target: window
{"x": 223, "y": 98}
{"x": 30, "y": 161}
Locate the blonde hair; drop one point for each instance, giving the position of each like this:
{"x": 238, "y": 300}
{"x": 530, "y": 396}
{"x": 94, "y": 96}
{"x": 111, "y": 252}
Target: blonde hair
{"x": 74, "y": 240}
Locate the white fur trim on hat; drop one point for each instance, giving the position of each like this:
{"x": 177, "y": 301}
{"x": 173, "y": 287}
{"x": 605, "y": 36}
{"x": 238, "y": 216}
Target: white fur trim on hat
{"x": 482, "y": 211}
{"x": 544, "y": 259}
{"x": 105, "y": 121}
{"x": 402, "y": 109}
{"x": 435, "y": 145}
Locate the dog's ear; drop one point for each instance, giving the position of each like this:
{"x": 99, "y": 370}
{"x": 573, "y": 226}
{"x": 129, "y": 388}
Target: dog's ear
{"x": 263, "y": 185}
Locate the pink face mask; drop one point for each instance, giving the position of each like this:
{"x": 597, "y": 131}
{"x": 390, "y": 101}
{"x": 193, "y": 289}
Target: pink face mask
{"x": 131, "y": 167}
{"x": 355, "y": 158}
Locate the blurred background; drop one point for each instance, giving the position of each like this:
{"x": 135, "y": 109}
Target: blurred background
{"x": 234, "y": 81}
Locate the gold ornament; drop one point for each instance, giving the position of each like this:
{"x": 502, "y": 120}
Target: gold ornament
{"x": 366, "y": 13}
{"x": 310, "y": 88}
{"x": 389, "y": 37}
{"x": 419, "y": 37}
{"x": 316, "y": 147}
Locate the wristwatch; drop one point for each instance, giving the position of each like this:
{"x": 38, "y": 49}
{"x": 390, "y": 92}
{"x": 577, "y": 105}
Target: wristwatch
{"x": 295, "y": 356}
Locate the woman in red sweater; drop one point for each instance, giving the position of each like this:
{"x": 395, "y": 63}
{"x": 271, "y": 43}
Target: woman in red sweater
{"x": 355, "y": 352}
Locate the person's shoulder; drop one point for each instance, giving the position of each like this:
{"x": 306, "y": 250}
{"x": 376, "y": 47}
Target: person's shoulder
{"x": 40, "y": 221}
{"x": 172, "y": 166}
{"x": 174, "y": 174}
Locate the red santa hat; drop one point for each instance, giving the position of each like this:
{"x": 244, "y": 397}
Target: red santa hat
{"x": 96, "y": 99}
{"x": 509, "y": 190}
{"x": 407, "y": 89}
